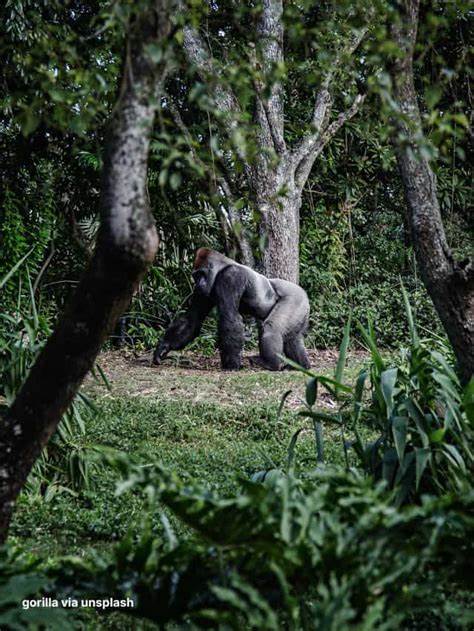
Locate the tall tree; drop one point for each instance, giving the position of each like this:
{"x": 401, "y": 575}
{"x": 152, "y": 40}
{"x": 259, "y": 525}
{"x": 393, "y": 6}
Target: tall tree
{"x": 126, "y": 246}
{"x": 450, "y": 283}
{"x": 274, "y": 179}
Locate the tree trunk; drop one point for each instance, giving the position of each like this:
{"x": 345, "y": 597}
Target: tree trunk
{"x": 274, "y": 180}
{"x": 450, "y": 284}
{"x": 280, "y": 228}
{"x": 127, "y": 245}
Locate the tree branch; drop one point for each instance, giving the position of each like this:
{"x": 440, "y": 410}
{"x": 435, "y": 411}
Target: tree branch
{"x": 126, "y": 246}
{"x": 198, "y": 54}
{"x": 232, "y": 219}
{"x": 324, "y": 101}
{"x": 269, "y": 136}
{"x": 269, "y": 110}
{"x": 227, "y": 104}
{"x": 44, "y": 267}
{"x": 316, "y": 144}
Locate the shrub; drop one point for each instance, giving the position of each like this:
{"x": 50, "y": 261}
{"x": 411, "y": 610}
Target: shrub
{"x": 416, "y": 407}
{"x": 326, "y": 550}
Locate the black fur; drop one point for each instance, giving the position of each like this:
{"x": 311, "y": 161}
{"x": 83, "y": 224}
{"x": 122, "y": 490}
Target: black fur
{"x": 228, "y": 290}
{"x": 182, "y": 331}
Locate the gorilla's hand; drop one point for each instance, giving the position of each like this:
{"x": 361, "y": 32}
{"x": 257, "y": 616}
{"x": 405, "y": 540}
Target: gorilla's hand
{"x": 161, "y": 352}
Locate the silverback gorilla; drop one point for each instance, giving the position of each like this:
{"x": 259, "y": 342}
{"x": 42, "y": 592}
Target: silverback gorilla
{"x": 280, "y": 307}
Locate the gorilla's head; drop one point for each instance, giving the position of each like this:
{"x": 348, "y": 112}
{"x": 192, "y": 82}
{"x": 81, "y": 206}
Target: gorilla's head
{"x": 201, "y": 281}
{"x": 207, "y": 265}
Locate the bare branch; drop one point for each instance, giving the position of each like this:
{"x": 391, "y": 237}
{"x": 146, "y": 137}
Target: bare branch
{"x": 308, "y": 144}
{"x": 332, "y": 129}
{"x": 227, "y": 105}
{"x": 44, "y": 267}
{"x": 232, "y": 219}
{"x": 266, "y": 120}
{"x": 270, "y": 48}
{"x": 198, "y": 54}
{"x": 325, "y": 99}
{"x": 317, "y": 143}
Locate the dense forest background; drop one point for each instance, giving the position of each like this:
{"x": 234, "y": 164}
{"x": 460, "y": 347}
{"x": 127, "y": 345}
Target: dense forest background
{"x": 60, "y": 84}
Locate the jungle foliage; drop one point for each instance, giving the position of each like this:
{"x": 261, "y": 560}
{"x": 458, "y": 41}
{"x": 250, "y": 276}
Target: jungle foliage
{"x": 379, "y": 538}
{"x": 370, "y": 526}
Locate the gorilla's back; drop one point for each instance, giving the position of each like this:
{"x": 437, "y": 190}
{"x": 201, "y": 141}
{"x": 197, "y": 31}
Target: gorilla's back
{"x": 286, "y": 288}
{"x": 293, "y": 305}
{"x": 259, "y": 296}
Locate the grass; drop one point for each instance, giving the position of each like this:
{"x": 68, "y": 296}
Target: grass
{"x": 206, "y": 424}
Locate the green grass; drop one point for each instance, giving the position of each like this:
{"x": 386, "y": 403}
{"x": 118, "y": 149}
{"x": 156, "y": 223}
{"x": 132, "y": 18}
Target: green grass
{"x": 212, "y": 426}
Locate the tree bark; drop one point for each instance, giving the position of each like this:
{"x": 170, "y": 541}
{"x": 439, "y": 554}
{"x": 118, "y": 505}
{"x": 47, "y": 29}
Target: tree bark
{"x": 127, "y": 244}
{"x": 449, "y": 283}
{"x": 280, "y": 227}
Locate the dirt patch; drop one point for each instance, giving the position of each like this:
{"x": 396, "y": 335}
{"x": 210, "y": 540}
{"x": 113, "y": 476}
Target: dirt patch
{"x": 192, "y": 377}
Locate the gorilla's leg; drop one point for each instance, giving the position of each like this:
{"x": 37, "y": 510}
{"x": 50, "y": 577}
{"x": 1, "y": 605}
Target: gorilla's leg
{"x": 271, "y": 345}
{"x": 183, "y": 330}
{"x": 228, "y": 289}
{"x": 282, "y": 333}
{"x": 294, "y": 349}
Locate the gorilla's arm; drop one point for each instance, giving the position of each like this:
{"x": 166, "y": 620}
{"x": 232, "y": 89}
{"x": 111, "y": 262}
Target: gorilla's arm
{"x": 186, "y": 328}
{"x": 228, "y": 289}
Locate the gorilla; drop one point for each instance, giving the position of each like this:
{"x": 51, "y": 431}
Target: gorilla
{"x": 281, "y": 309}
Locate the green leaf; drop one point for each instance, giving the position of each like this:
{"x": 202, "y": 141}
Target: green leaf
{"x": 433, "y": 95}
{"x": 311, "y": 391}
{"x": 282, "y": 402}
{"x": 175, "y": 181}
{"x": 341, "y": 360}
{"x": 358, "y": 393}
{"x": 318, "y": 435}
{"x": 9, "y": 274}
{"x": 295, "y": 365}
{"x": 468, "y": 400}
{"x": 437, "y": 436}
{"x": 422, "y": 457}
{"x": 409, "y": 314}
{"x": 389, "y": 465}
{"x": 155, "y": 52}
{"x": 32, "y": 301}
{"x": 369, "y": 338}
{"x": 291, "y": 448}
{"x": 327, "y": 382}
{"x": 454, "y": 456}
{"x": 331, "y": 385}
{"x": 399, "y": 430}
{"x": 29, "y": 121}
{"x": 319, "y": 416}
{"x": 449, "y": 371}
{"x": 414, "y": 413}
{"x": 462, "y": 119}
